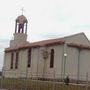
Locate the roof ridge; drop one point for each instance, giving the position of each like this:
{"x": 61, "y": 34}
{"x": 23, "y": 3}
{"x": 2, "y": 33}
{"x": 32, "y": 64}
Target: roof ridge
{"x": 61, "y": 38}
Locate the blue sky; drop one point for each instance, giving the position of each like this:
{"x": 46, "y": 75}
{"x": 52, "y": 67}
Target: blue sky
{"x": 46, "y": 19}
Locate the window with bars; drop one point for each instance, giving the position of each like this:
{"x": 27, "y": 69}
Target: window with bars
{"x": 29, "y": 58}
{"x": 16, "y": 61}
{"x": 12, "y": 59}
{"x": 52, "y": 58}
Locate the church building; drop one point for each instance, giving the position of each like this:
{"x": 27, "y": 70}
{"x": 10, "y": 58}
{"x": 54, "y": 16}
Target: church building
{"x": 48, "y": 59}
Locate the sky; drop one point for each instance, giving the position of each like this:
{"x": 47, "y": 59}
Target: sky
{"x": 46, "y": 19}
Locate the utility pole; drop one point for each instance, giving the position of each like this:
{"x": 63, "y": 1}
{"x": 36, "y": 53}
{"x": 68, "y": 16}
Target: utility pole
{"x": 86, "y": 81}
{"x": 65, "y": 55}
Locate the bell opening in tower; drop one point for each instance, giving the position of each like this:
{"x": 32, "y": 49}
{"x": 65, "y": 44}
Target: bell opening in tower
{"x": 21, "y": 24}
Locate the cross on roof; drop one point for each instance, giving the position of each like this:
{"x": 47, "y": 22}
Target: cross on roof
{"x": 22, "y": 10}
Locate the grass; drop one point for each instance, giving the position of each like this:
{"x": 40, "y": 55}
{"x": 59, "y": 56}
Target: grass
{"x": 36, "y": 85}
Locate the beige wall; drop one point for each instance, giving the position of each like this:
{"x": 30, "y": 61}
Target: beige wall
{"x": 72, "y": 62}
{"x": 7, "y": 72}
{"x": 37, "y": 63}
{"x": 72, "y": 67}
{"x": 7, "y": 58}
{"x": 84, "y": 64}
{"x": 21, "y": 71}
{"x": 41, "y": 67}
{"x": 77, "y": 39}
{"x": 58, "y": 55}
{"x": 19, "y": 39}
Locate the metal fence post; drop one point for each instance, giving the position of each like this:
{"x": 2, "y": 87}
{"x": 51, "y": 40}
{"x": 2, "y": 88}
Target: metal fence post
{"x": 54, "y": 80}
{"x": 86, "y": 81}
{"x": 1, "y": 83}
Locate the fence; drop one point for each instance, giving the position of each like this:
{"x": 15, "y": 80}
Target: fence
{"x": 39, "y": 83}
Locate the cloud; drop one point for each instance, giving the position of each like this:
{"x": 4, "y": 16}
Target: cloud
{"x": 83, "y": 26}
{"x": 2, "y": 40}
{"x": 1, "y": 60}
{"x": 4, "y": 43}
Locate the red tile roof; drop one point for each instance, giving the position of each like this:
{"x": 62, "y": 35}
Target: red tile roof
{"x": 37, "y": 44}
{"x": 50, "y": 42}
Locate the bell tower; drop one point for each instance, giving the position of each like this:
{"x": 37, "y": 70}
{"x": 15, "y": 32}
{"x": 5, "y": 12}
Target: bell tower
{"x": 20, "y": 34}
{"x": 21, "y": 25}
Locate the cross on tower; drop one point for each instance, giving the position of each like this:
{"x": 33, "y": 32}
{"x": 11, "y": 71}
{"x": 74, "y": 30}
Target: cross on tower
{"x": 22, "y": 10}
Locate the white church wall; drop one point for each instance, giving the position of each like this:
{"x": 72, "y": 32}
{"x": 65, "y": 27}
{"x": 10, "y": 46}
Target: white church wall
{"x": 22, "y": 63}
{"x": 36, "y": 69}
{"x": 40, "y": 62}
{"x": 78, "y": 39}
{"x": 58, "y": 61}
{"x": 7, "y": 61}
{"x": 41, "y": 68}
{"x": 37, "y": 63}
{"x": 54, "y": 72}
{"x": 34, "y": 62}
{"x": 71, "y": 66}
{"x": 8, "y": 72}
{"x": 84, "y": 64}
{"x": 47, "y": 73}
{"x": 20, "y": 72}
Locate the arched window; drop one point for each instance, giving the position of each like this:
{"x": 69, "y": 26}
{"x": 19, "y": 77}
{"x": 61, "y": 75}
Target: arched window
{"x": 52, "y": 58}
{"x": 16, "y": 62}
{"x": 29, "y": 57}
{"x": 12, "y": 58}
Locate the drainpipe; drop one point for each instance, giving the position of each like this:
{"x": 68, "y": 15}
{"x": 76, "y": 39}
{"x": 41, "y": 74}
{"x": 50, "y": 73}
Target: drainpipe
{"x": 64, "y": 57}
{"x": 62, "y": 63}
{"x": 37, "y": 62}
{"x": 78, "y": 71}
